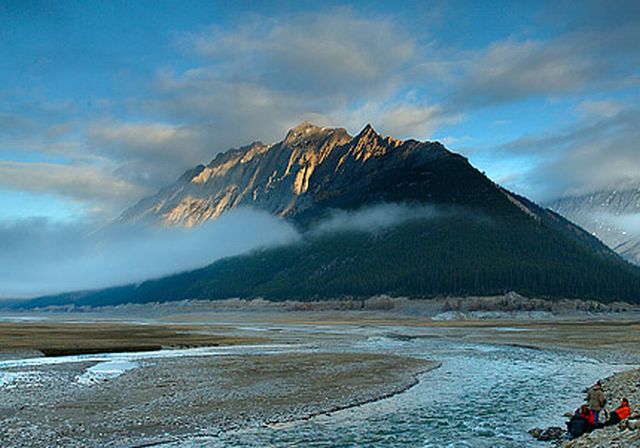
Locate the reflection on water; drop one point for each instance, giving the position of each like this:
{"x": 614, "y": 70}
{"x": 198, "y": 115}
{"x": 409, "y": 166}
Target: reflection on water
{"x": 482, "y": 396}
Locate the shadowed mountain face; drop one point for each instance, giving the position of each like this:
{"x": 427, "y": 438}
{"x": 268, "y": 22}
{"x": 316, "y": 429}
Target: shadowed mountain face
{"x": 455, "y": 232}
{"x": 612, "y": 215}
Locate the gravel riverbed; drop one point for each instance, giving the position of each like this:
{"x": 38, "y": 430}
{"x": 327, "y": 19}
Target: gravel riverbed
{"x": 164, "y": 399}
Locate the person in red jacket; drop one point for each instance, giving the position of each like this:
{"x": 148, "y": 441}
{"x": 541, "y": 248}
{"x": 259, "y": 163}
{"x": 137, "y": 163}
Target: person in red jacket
{"x": 582, "y": 421}
{"x": 589, "y": 415}
{"x": 622, "y": 412}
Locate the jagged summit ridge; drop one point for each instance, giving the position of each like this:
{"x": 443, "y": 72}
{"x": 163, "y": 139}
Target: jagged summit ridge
{"x": 285, "y": 178}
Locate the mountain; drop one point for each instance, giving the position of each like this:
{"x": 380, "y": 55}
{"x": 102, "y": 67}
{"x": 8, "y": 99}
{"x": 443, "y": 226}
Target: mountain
{"x": 458, "y": 232}
{"x": 312, "y": 169}
{"x": 612, "y": 215}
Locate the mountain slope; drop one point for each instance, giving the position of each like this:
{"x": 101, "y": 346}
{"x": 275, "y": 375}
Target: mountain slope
{"x": 613, "y": 216}
{"x": 479, "y": 239}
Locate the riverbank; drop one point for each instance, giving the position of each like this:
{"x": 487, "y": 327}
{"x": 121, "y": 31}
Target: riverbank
{"x": 616, "y": 387}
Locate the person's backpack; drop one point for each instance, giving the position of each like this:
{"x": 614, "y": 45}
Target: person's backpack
{"x": 577, "y": 426}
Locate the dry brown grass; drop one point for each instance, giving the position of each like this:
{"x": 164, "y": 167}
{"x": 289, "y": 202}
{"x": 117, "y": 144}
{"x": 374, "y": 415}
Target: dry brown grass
{"x": 55, "y": 339}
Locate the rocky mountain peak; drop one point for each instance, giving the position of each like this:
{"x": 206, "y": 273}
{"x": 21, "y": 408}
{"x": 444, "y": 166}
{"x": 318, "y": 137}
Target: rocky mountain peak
{"x": 609, "y": 214}
{"x": 301, "y": 132}
{"x": 369, "y": 137}
{"x": 368, "y": 132}
{"x": 312, "y": 167}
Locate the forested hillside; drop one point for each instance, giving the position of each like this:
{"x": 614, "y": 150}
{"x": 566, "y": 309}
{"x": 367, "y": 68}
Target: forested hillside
{"x": 454, "y": 255}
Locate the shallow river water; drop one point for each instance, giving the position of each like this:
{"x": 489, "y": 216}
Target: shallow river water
{"x": 482, "y": 396}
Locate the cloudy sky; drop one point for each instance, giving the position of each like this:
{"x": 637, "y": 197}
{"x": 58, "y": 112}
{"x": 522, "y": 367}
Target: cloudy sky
{"x": 102, "y": 103}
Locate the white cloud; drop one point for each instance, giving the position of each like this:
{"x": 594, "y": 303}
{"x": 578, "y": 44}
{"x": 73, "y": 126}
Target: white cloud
{"x": 398, "y": 120}
{"x": 150, "y": 142}
{"x": 336, "y": 52}
{"x": 596, "y": 53}
{"x": 79, "y": 183}
{"x": 512, "y": 70}
{"x": 338, "y": 68}
{"x": 139, "y": 135}
{"x": 598, "y": 151}
{"x": 599, "y": 109}
{"x": 375, "y": 218}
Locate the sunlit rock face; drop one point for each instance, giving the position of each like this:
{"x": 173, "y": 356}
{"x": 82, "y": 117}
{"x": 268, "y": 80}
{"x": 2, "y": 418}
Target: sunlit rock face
{"x": 311, "y": 166}
{"x": 611, "y": 215}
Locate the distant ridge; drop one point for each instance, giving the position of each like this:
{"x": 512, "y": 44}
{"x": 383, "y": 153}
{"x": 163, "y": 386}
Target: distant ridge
{"x": 603, "y": 213}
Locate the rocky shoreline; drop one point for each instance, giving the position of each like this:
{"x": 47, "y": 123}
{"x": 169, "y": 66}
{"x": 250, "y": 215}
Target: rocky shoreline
{"x": 619, "y": 386}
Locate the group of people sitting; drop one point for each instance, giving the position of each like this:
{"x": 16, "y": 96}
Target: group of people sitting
{"x": 587, "y": 416}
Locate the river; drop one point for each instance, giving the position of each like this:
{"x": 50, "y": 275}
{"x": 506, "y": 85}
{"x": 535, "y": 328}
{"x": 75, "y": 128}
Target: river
{"x": 482, "y": 396}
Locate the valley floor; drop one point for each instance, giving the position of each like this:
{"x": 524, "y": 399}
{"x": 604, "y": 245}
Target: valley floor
{"x": 254, "y": 368}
